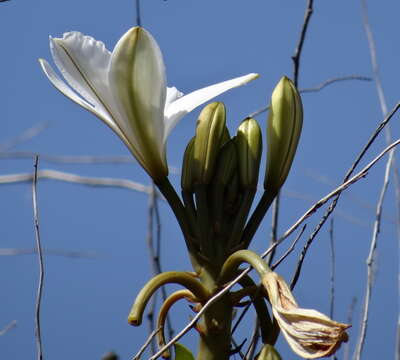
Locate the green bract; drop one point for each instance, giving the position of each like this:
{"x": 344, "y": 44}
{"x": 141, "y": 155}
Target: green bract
{"x": 268, "y": 352}
{"x": 283, "y": 132}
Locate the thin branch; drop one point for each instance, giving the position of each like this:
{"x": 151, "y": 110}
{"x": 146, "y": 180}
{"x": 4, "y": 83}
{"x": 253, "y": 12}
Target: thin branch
{"x": 8, "y": 327}
{"x": 41, "y": 265}
{"x": 291, "y": 248}
{"x": 337, "y": 191}
{"x": 333, "y": 261}
{"x": 297, "y": 54}
{"x": 392, "y": 160}
{"x": 25, "y": 135}
{"x": 138, "y": 17}
{"x": 332, "y": 207}
{"x": 255, "y": 338}
{"x": 146, "y": 344}
{"x": 66, "y": 253}
{"x": 328, "y": 82}
{"x": 370, "y": 261}
{"x": 77, "y": 179}
{"x": 317, "y": 88}
{"x": 346, "y": 346}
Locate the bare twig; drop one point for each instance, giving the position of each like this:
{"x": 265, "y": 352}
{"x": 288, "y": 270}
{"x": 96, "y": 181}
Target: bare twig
{"x": 146, "y": 344}
{"x": 8, "y": 327}
{"x": 337, "y": 191}
{"x": 320, "y": 86}
{"x": 77, "y": 179}
{"x": 41, "y": 265}
{"x": 392, "y": 159}
{"x": 297, "y": 54}
{"x": 69, "y": 159}
{"x": 25, "y": 136}
{"x": 255, "y": 338}
{"x": 317, "y": 88}
{"x": 66, "y": 253}
{"x": 370, "y": 262}
{"x": 138, "y": 17}
{"x": 346, "y": 346}
{"x": 291, "y": 248}
{"x": 333, "y": 261}
{"x": 332, "y": 207}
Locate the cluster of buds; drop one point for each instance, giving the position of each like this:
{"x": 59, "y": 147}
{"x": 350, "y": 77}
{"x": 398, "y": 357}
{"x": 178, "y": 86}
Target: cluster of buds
{"x": 220, "y": 172}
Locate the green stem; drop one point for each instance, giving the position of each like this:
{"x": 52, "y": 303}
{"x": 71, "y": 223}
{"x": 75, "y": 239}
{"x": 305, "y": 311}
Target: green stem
{"x": 162, "y": 315}
{"x": 190, "y": 209}
{"x": 231, "y": 265}
{"x": 241, "y": 218}
{"x": 177, "y": 207}
{"x": 185, "y": 279}
{"x": 268, "y": 331}
{"x": 215, "y": 331}
{"x": 256, "y": 218}
{"x": 203, "y": 221}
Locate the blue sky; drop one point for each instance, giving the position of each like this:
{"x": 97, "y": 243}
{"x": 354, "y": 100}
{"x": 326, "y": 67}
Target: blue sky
{"x": 86, "y": 300}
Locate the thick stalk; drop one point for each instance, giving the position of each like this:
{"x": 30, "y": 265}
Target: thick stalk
{"x": 215, "y": 326}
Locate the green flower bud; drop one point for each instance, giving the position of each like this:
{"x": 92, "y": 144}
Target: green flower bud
{"x": 187, "y": 170}
{"x": 226, "y": 163}
{"x": 249, "y": 148}
{"x": 284, "y": 127}
{"x": 268, "y": 352}
{"x": 210, "y": 133}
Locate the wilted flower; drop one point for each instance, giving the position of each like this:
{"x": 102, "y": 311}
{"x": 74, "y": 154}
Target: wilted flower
{"x": 127, "y": 89}
{"x": 309, "y": 333}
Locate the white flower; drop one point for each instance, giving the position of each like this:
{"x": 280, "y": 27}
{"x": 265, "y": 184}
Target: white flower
{"x": 127, "y": 90}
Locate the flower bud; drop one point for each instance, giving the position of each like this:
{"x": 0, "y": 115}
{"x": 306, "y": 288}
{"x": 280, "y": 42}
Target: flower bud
{"x": 210, "y": 132}
{"x": 226, "y": 163}
{"x": 268, "y": 352}
{"x": 187, "y": 170}
{"x": 309, "y": 333}
{"x": 249, "y": 148}
{"x": 284, "y": 127}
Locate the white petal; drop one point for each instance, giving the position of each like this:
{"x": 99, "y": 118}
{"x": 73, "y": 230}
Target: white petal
{"x": 84, "y": 63}
{"x": 99, "y": 112}
{"x": 138, "y": 84}
{"x": 66, "y": 90}
{"x": 176, "y": 110}
{"x": 172, "y": 94}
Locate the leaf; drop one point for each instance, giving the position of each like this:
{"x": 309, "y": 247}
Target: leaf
{"x": 182, "y": 352}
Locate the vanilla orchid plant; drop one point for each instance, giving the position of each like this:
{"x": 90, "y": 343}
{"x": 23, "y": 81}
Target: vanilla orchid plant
{"x": 127, "y": 89}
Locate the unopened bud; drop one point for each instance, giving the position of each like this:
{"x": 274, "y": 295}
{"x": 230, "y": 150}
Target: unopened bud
{"x": 226, "y": 163}
{"x": 283, "y": 132}
{"x": 249, "y": 148}
{"x": 210, "y": 133}
{"x": 187, "y": 169}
